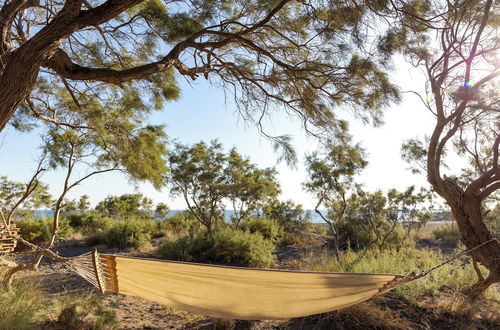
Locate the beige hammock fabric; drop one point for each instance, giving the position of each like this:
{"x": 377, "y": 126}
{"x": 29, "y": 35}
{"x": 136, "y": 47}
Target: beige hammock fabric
{"x": 236, "y": 293}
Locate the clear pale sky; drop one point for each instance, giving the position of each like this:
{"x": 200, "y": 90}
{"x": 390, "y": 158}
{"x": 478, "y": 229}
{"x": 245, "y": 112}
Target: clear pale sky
{"x": 202, "y": 114}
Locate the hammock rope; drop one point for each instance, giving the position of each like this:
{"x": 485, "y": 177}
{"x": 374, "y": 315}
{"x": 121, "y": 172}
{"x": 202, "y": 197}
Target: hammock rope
{"x": 415, "y": 276}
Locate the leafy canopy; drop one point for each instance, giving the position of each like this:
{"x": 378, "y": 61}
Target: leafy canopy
{"x": 206, "y": 178}
{"x": 107, "y": 64}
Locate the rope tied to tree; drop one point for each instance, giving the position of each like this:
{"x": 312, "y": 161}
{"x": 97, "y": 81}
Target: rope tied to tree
{"x": 402, "y": 279}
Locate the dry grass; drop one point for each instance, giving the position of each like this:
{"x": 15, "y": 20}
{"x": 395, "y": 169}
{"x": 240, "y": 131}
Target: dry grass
{"x": 426, "y": 231}
{"x": 446, "y": 233}
{"x": 454, "y": 276}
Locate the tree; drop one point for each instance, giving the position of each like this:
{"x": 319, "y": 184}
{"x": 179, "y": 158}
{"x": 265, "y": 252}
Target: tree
{"x": 18, "y": 200}
{"x": 248, "y": 187}
{"x": 206, "y": 178}
{"x": 331, "y": 178}
{"x": 365, "y": 224}
{"x": 92, "y": 153}
{"x": 286, "y": 213}
{"x": 381, "y": 220}
{"x": 197, "y": 174}
{"x": 83, "y": 203}
{"x": 161, "y": 211}
{"x": 310, "y": 56}
{"x": 458, "y": 50}
{"x": 126, "y": 205}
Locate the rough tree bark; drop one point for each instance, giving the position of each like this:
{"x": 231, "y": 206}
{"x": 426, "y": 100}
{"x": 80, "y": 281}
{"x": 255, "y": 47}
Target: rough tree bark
{"x": 20, "y": 68}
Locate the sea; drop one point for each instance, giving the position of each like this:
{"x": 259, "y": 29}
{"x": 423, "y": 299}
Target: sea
{"x": 228, "y": 213}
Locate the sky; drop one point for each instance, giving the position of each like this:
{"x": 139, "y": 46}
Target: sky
{"x": 202, "y": 113}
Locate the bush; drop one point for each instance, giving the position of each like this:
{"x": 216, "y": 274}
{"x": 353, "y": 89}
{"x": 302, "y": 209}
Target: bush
{"x": 84, "y": 312}
{"x": 227, "y": 246}
{"x": 20, "y": 305}
{"x": 359, "y": 235}
{"x": 40, "y": 229}
{"x": 133, "y": 233}
{"x": 182, "y": 223}
{"x": 446, "y": 233}
{"x": 266, "y": 227}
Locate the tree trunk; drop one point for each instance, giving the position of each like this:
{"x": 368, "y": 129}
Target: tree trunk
{"x": 468, "y": 214}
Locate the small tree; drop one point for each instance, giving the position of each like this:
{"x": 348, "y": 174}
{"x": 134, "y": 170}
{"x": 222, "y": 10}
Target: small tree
{"x": 127, "y": 205}
{"x": 161, "y": 211}
{"x": 83, "y": 203}
{"x": 18, "y": 200}
{"x": 331, "y": 178}
{"x": 206, "y": 177}
{"x": 286, "y": 213}
{"x": 197, "y": 174}
{"x": 93, "y": 153}
{"x": 248, "y": 188}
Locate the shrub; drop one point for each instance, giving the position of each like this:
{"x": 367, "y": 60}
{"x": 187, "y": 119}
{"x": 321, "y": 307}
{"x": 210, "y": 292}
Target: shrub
{"x": 24, "y": 306}
{"x": 227, "y": 246}
{"x": 131, "y": 233}
{"x": 19, "y": 306}
{"x": 181, "y": 223}
{"x": 268, "y": 228}
{"x": 84, "y": 312}
{"x": 358, "y": 235}
{"x": 40, "y": 229}
{"x": 446, "y": 233}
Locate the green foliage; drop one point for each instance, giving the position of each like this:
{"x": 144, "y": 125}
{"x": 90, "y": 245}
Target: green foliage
{"x": 248, "y": 188}
{"x": 12, "y": 191}
{"x": 287, "y": 214}
{"x": 161, "y": 211}
{"x": 414, "y": 152}
{"x": 40, "y": 229}
{"x": 447, "y": 233}
{"x": 83, "y": 203}
{"x": 26, "y": 307}
{"x": 331, "y": 179}
{"x": 372, "y": 88}
{"x": 20, "y": 306}
{"x": 127, "y": 205}
{"x": 268, "y": 228}
{"x": 372, "y": 219}
{"x": 181, "y": 223}
{"x": 84, "y": 312}
{"x": 197, "y": 174}
{"x": 142, "y": 155}
{"x": 226, "y": 246}
{"x": 133, "y": 233}
{"x": 89, "y": 222}
{"x": 331, "y": 175}
{"x": 455, "y": 275}
{"x": 204, "y": 175}
{"x": 334, "y": 171}
{"x": 138, "y": 151}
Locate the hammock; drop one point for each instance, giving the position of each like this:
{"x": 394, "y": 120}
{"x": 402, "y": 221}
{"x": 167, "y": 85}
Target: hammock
{"x": 233, "y": 292}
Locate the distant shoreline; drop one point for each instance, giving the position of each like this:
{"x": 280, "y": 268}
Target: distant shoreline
{"x": 314, "y": 216}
